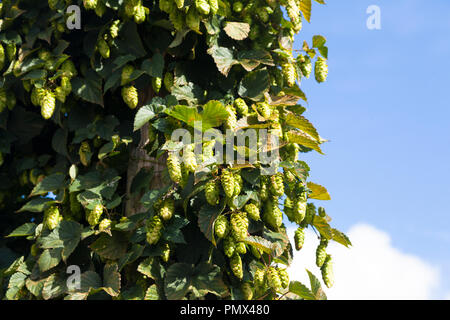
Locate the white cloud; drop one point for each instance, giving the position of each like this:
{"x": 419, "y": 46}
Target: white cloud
{"x": 371, "y": 269}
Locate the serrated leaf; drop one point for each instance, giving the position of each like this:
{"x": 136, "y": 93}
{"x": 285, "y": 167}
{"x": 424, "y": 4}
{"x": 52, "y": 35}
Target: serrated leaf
{"x": 178, "y": 280}
{"x": 223, "y": 57}
{"x": 303, "y": 124}
{"x": 207, "y": 278}
{"x": 110, "y": 247}
{"x": 254, "y": 84}
{"x": 340, "y": 237}
{"x": 301, "y": 290}
{"x": 49, "y": 258}
{"x": 148, "y": 112}
{"x": 111, "y": 279}
{"x": 321, "y": 224}
{"x": 316, "y": 287}
{"x": 89, "y": 280}
{"x": 305, "y": 8}
{"x": 24, "y": 230}
{"x": 89, "y": 88}
{"x": 54, "y": 287}
{"x": 304, "y": 139}
{"x": 318, "y": 192}
{"x": 49, "y": 184}
{"x": 237, "y": 30}
{"x": 152, "y": 293}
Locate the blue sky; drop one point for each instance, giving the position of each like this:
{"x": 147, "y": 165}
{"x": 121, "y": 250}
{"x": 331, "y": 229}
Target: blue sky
{"x": 385, "y": 111}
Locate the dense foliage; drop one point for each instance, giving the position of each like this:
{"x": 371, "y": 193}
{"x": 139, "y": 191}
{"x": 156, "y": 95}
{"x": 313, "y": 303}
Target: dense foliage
{"x": 91, "y": 179}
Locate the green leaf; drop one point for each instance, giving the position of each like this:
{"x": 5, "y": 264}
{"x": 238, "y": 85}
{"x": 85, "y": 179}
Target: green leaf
{"x": 154, "y": 67}
{"x": 303, "y": 124}
{"x": 50, "y": 183}
{"x": 341, "y": 238}
{"x": 178, "y": 281}
{"x": 152, "y": 293}
{"x": 207, "y": 278}
{"x": 318, "y": 192}
{"x": 24, "y": 230}
{"x": 111, "y": 279}
{"x": 172, "y": 232}
{"x": 89, "y": 88}
{"x": 213, "y": 115}
{"x": 90, "y": 280}
{"x": 254, "y": 84}
{"x": 223, "y": 57}
{"x": 206, "y": 218}
{"x": 305, "y": 8}
{"x": 264, "y": 245}
{"x": 251, "y": 59}
{"x": 35, "y": 287}
{"x": 319, "y": 41}
{"x": 301, "y": 290}
{"x": 304, "y": 139}
{"x": 59, "y": 142}
{"x": 321, "y": 224}
{"x": 316, "y": 287}
{"x": 49, "y": 258}
{"x": 110, "y": 247}
{"x": 66, "y": 236}
{"x": 237, "y": 30}
{"x": 148, "y": 112}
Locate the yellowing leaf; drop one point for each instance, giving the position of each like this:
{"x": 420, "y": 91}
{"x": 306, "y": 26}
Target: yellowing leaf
{"x": 318, "y": 192}
{"x": 305, "y": 8}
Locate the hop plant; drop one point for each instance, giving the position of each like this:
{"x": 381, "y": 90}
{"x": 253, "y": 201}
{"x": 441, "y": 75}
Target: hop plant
{"x": 264, "y": 109}
{"x": 236, "y": 266}
{"x": 60, "y": 94}
{"x": 321, "y": 70}
{"x": 93, "y": 216}
{"x": 127, "y": 71}
{"x": 264, "y": 189}
{"x": 179, "y": 3}
{"x": 103, "y": 48}
{"x": 52, "y": 217}
{"x": 214, "y": 6}
{"x": 193, "y": 19}
{"x": 252, "y": 211}
{"x": 273, "y": 216}
{"x": 75, "y": 206}
{"x": 167, "y": 209}
{"x": 69, "y": 68}
{"x": 85, "y": 153}
{"x": 327, "y": 272}
{"x": 47, "y": 103}
{"x": 154, "y": 230}
{"x": 52, "y": 4}
{"x": 177, "y": 18}
{"x": 2, "y": 56}
{"x": 168, "y": 81}
{"x": 66, "y": 85}
{"x": 90, "y": 4}
{"x": 259, "y": 278}
{"x": 321, "y": 253}
{"x": 247, "y": 291}
{"x": 277, "y": 185}
{"x": 299, "y": 238}
{"x": 241, "y": 248}
{"x": 229, "y": 246}
{"x": 212, "y": 193}
{"x": 231, "y": 121}
{"x": 228, "y": 183}
{"x": 166, "y": 253}
{"x": 156, "y": 84}
{"x": 189, "y": 158}
{"x": 238, "y": 184}
{"x": 299, "y": 209}
{"x": 239, "y": 225}
{"x": 105, "y": 224}
{"x": 100, "y": 9}
{"x": 273, "y": 278}
{"x": 139, "y": 14}
{"x": 130, "y": 96}
{"x": 289, "y": 73}
{"x": 238, "y": 6}
{"x": 203, "y": 6}
{"x": 114, "y": 29}
{"x": 284, "y": 278}
{"x": 174, "y": 167}
{"x": 221, "y": 226}
{"x": 305, "y": 65}
{"x": 241, "y": 107}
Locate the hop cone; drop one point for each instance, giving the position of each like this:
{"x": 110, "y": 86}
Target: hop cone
{"x": 202, "y": 6}
{"x": 114, "y": 29}
{"x": 69, "y": 68}
{"x": 166, "y": 253}
{"x": 273, "y": 278}
{"x": 214, "y": 6}
{"x": 240, "y": 248}
{"x": 126, "y": 74}
{"x": 321, "y": 70}
{"x": 66, "y": 85}
{"x": 179, "y": 3}
{"x": 47, "y": 104}
{"x": 238, "y": 184}
{"x": 130, "y": 96}
{"x": 305, "y": 65}
{"x": 327, "y": 272}
{"x": 289, "y": 73}
{"x": 241, "y": 106}
{"x": 259, "y": 277}
{"x": 277, "y": 185}
{"x": 85, "y": 153}
{"x": 264, "y": 109}
{"x": 321, "y": 253}
{"x": 103, "y": 48}
{"x": 212, "y": 193}
{"x": 189, "y": 158}
{"x": 272, "y": 214}
{"x": 168, "y": 81}
{"x": 239, "y": 225}
{"x": 264, "y": 190}
{"x": 238, "y": 6}
{"x": 154, "y": 230}
{"x": 221, "y": 226}
{"x": 228, "y": 183}
{"x": 236, "y": 266}
{"x": 299, "y": 210}
{"x": 284, "y": 277}
{"x": 93, "y": 216}
{"x": 156, "y": 84}
{"x": 100, "y": 9}
{"x": 2, "y": 56}
{"x": 229, "y": 246}
{"x": 90, "y": 4}
{"x": 60, "y": 94}
{"x": 231, "y": 120}
{"x": 139, "y": 14}
{"x": 52, "y": 217}
{"x": 167, "y": 209}
{"x": 299, "y": 238}
{"x": 252, "y": 211}
{"x": 105, "y": 224}
{"x": 174, "y": 167}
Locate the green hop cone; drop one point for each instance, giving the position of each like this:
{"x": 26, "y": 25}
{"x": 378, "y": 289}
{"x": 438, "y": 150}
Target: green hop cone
{"x": 212, "y": 193}
{"x": 241, "y": 106}
{"x": 241, "y": 248}
{"x": 229, "y": 246}
{"x": 299, "y": 209}
{"x": 130, "y": 96}
{"x": 239, "y": 225}
{"x": 85, "y": 153}
{"x": 284, "y": 278}
{"x": 273, "y": 278}
{"x": 264, "y": 109}
{"x": 221, "y": 226}
{"x": 321, "y": 212}
{"x": 321, "y": 70}
{"x": 193, "y": 19}
{"x": 105, "y": 224}
{"x": 139, "y": 14}
{"x": 103, "y": 48}
{"x": 52, "y": 217}
{"x": 90, "y": 4}
{"x": 2, "y": 56}
{"x": 272, "y": 216}
{"x": 167, "y": 209}
{"x": 69, "y": 68}
{"x": 247, "y": 291}
{"x": 93, "y": 216}
{"x": 114, "y": 29}
{"x": 288, "y": 204}
{"x": 174, "y": 167}
{"x": 236, "y": 266}
{"x": 130, "y": 8}
{"x": 189, "y": 158}
{"x": 75, "y": 206}
{"x": 264, "y": 189}
{"x": 305, "y": 65}
{"x": 168, "y": 81}
{"x": 214, "y": 6}
{"x": 60, "y": 94}
{"x": 252, "y": 211}
{"x": 231, "y": 121}
{"x": 299, "y": 238}
{"x": 166, "y": 253}
{"x": 238, "y": 6}
{"x": 154, "y": 230}
{"x": 156, "y": 84}
{"x": 177, "y": 18}
{"x": 179, "y": 3}
{"x": 327, "y": 272}
{"x": 127, "y": 71}
{"x": 277, "y": 185}
{"x": 202, "y": 6}
{"x": 238, "y": 184}
{"x": 259, "y": 277}
{"x": 166, "y": 5}
{"x": 66, "y": 85}
{"x": 289, "y": 73}
{"x": 47, "y": 103}
{"x": 321, "y": 253}
{"x": 262, "y": 14}
{"x": 228, "y": 183}
{"x": 34, "y": 250}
